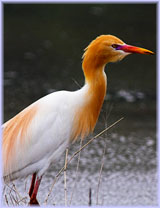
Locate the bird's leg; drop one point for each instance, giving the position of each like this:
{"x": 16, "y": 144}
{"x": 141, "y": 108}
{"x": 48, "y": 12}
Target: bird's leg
{"x": 33, "y": 200}
{"x": 32, "y": 184}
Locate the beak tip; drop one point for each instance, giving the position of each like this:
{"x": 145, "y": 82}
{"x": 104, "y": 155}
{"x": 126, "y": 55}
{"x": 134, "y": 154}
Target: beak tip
{"x": 134, "y": 49}
{"x": 149, "y": 53}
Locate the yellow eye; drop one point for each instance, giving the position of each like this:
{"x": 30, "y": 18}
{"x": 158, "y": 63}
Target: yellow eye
{"x": 114, "y": 45}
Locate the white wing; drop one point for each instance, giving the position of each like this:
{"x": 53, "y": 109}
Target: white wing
{"x": 38, "y": 135}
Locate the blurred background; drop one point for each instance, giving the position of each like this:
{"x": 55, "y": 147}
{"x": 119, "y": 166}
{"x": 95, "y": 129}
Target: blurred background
{"x": 43, "y": 46}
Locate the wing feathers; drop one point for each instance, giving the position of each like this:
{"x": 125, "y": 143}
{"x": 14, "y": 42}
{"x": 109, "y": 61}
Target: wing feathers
{"x": 14, "y": 134}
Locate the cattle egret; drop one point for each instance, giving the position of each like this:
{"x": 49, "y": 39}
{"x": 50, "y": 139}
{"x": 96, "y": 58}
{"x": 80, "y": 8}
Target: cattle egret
{"x": 37, "y": 136}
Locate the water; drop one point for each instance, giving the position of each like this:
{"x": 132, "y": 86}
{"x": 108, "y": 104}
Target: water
{"x": 42, "y": 54}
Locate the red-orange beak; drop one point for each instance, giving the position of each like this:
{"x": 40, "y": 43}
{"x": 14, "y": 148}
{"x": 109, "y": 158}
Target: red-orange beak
{"x": 134, "y": 49}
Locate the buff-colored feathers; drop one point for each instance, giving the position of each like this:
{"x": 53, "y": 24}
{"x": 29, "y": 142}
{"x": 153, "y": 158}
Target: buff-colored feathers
{"x": 15, "y": 132}
{"x": 86, "y": 116}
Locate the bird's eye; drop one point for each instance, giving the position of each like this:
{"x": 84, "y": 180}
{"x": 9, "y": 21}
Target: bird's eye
{"x": 114, "y": 45}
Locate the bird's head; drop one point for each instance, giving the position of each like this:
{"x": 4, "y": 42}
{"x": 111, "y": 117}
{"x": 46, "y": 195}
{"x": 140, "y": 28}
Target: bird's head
{"x": 108, "y": 48}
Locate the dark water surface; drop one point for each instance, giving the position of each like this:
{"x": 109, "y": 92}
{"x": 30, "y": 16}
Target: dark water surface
{"x": 43, "y": 45}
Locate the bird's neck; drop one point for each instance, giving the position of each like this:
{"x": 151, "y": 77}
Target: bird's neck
{"x": 95, "y": 89}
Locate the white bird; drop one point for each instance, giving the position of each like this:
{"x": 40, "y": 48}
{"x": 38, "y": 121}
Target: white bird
{"x": 37, "y": 136}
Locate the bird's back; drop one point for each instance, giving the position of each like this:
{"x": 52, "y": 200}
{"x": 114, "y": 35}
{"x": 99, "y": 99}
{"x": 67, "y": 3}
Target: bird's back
{"x": 37, "y": 136}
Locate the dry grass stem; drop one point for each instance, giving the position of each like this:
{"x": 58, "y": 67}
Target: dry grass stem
{"x": 17, "y": 192}
{"x": 75, "y": 81}
{"x": 23, "y": 200}
{"x": 25, "y": 184}
{"x": 109, "y": 112}
{"x": 90, "y": 197}
{"x": 100, "y": 173}
{"x": 15, "y": 199}
{"x": 10, "y": 195}
{"x": 74, "y": 186}
{"x": 6, "y": 199}
{"x": 14, "y": 195}
{"x": 91, "y": 140}
{"x": 65, "y": 178}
